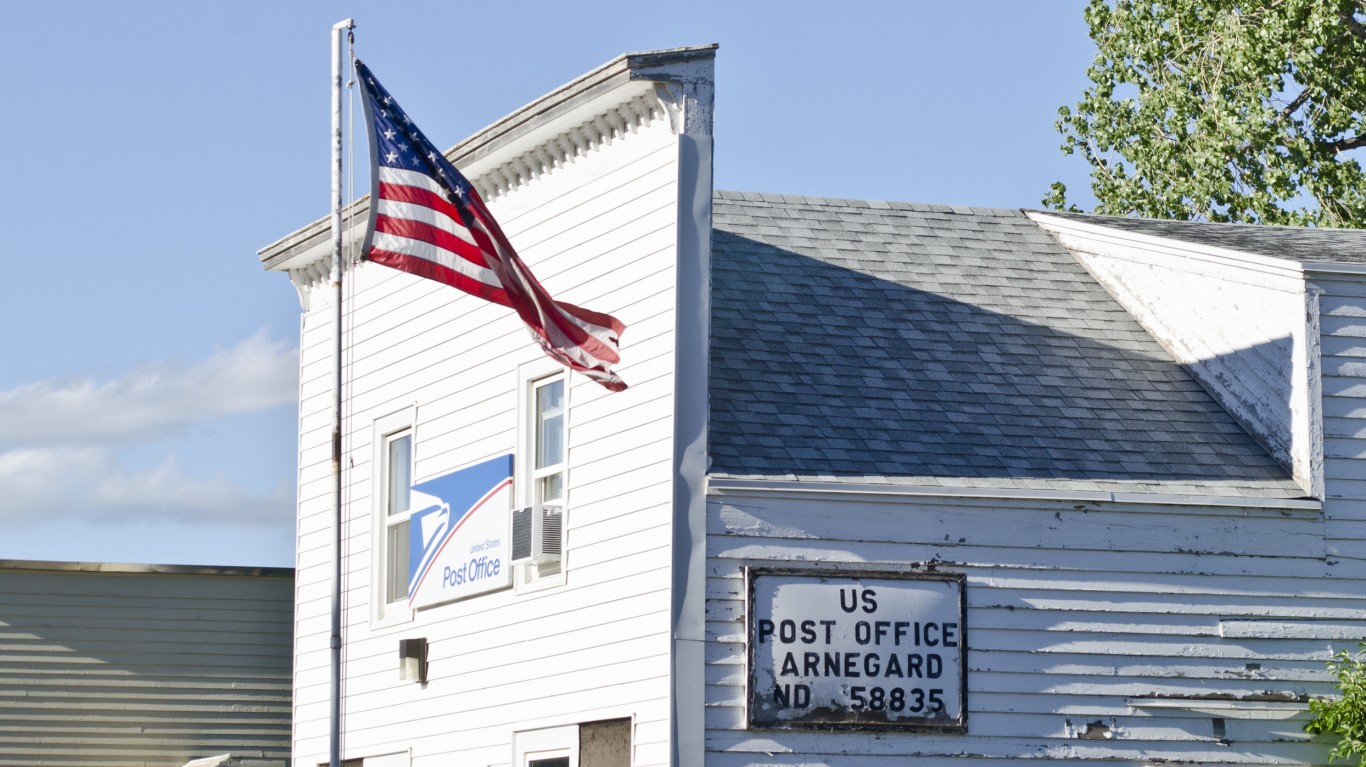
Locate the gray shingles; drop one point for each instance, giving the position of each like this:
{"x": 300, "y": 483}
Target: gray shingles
{"x": 907, "y": 343}
{"x": 1308, "y": 245}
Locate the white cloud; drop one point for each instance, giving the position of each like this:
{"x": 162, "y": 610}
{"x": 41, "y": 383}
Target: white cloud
{"x": 66, "y": 446}
{"x": 90, "y": 484}
{"x": 152, "y": 401}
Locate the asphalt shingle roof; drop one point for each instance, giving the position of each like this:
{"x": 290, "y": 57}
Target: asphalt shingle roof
{"x": 1306, "y": 245}
{"x": 926, "y": 344}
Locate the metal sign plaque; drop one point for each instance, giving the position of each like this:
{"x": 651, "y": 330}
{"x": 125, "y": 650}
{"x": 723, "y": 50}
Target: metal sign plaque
{"x": 865, "y": 650}
{"x": 459, "y": 534}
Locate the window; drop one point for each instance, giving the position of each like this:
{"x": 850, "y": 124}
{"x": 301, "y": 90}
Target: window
{"x": 551, "y": 747}
{"x": 401, "y": 759}
{"x": 392, "y": 454}
{"x": 604, "y": 743}
{"x": 547, "y": 434}
{"x": 398, "y": 481}
{"x": 543, "y": 454}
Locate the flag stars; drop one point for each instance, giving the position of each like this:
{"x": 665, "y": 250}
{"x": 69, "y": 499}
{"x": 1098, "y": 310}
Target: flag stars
{"x": 414, "y": 156}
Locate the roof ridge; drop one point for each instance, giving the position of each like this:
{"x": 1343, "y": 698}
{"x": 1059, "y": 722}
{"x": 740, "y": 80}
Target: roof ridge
{"x": 1102, "y": 217}
{"x": 775, "y": 198}
{"x": 1303, "y": 244}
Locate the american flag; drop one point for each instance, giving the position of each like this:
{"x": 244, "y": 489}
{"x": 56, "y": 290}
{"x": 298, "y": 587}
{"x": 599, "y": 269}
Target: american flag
{"x": 427, "y": 219}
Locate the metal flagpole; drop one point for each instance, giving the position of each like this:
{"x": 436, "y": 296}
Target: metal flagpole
{"x": 334, "y": 757}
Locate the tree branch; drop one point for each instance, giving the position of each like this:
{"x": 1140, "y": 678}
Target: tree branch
{"x": 1342, "y": 145}
{"x": 1349, "y": 20}
{"x": 1295, "y": 104}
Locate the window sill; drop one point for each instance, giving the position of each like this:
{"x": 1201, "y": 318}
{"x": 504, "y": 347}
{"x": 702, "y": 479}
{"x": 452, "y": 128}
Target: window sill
{"x": 392, "y": 616}
{"x": 532, "y": 585}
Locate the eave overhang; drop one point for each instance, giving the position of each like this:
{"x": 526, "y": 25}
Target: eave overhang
{"x": 517, "y": 146}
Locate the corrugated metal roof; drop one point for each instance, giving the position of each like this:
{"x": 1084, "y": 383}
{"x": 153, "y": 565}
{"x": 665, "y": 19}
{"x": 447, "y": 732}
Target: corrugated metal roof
{"x": 139, "y": 666}
{"x": 146, "y": 569}
{"x": 937, "y": 345}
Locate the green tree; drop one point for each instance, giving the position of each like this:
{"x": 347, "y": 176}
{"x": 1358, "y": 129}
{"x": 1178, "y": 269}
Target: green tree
{"x": 1344, "y": 717}
{"x": 1224, "y": 110}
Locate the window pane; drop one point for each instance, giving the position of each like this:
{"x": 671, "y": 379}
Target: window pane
{"x": 400, "y": 473}
{"x": 562, "y": 761}
{"x": 396, "y": 562}
{"x": 550, "y": 396}
{"x": 550, "y": 424}
{"x": 550, "y": 487}
{"x": 550, "y": 445}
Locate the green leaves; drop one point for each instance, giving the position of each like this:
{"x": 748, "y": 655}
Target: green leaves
{"x": 1345, "y": 716}
{"x": 1223, "y": 110}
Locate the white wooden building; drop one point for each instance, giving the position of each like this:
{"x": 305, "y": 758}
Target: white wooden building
{"x": 105, "y": 665}
{"x": 892, "y": 483}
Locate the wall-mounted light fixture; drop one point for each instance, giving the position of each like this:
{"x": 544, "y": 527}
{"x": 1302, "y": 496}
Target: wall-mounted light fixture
{"x": 412, "y": 660}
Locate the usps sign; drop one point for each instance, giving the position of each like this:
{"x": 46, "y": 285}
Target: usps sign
{"x": 856, "y": 650}
{"x": 461, "y": 529}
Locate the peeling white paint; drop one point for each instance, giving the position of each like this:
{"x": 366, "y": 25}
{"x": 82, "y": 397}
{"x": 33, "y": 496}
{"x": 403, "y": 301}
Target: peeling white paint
{"x": 1244, "y": 325}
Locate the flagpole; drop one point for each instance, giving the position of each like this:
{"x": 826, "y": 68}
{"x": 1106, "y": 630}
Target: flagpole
{"x": 338, "y": 78}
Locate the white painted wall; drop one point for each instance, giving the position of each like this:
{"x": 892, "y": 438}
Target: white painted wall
{"x": 1238, "y": 322}
{"x": 1130, "y": 615}
{"x": 600, "y": 232}
{"x": 1340, "y": 295}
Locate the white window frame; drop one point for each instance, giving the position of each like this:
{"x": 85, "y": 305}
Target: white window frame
{"x": 530, "y": 376}
{"x": 396, "y": 759}
{"x": 384, "y": 430}
{"x": 547, "y": 743}
{"x": 535, "y": 473}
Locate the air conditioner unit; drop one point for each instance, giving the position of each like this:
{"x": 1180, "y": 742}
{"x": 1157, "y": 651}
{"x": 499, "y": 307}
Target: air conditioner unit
{"x": 537, "y": 534}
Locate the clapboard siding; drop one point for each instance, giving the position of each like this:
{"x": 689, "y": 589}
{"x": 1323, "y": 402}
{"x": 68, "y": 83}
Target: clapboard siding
{"x": 313, "y": 552}
{"x": 809, "y": 748}
{"x": 1342, "y": 323}
{"x": 599, "y": 232}
{"x": 128, "y": 666}
{"x": 1077, "y": 613}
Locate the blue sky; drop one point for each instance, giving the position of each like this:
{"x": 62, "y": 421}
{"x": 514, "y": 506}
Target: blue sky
{"x": 147, "y": 394}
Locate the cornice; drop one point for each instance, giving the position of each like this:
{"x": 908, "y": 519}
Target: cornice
{"x": 1306, "y": 508}
{"x": 1166, "y": 246}
{"x": 609, "y": 104}
{"x": 563, "y": 148}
